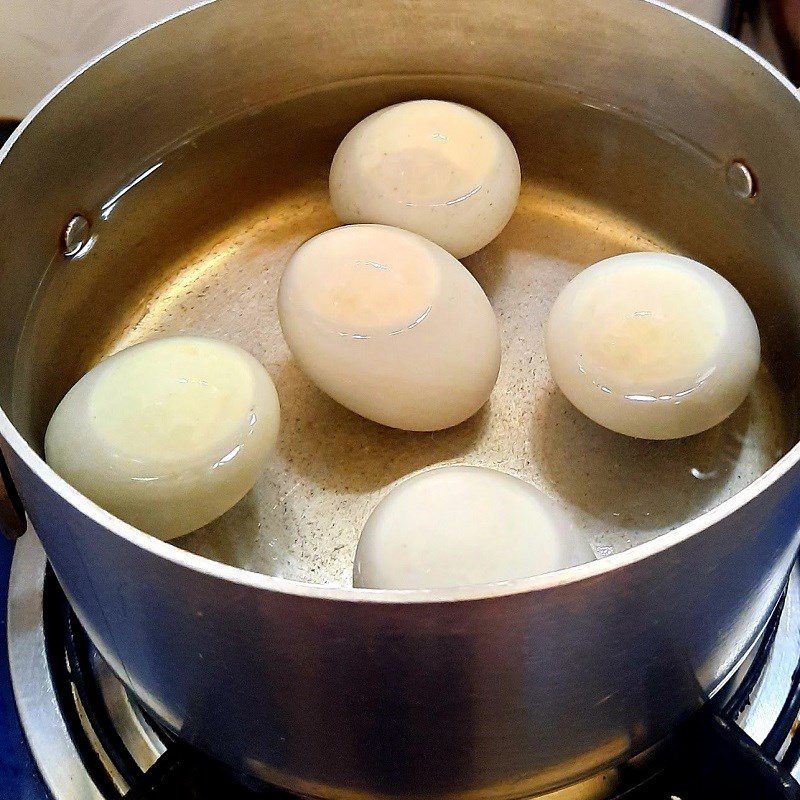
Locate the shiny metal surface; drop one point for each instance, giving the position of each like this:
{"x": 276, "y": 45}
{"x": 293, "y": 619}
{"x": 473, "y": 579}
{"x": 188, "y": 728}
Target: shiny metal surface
{"x": 76, "y": 235}
{"x": 741, "y": 180}
{"x": 59, "y": 763}
{"x": 495, "y": 692}
{"x": 46, "y": 731}
{"x": 770, "y": 694}
{"x": 41, "y": 718}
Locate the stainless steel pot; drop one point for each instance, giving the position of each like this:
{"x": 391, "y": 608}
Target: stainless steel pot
{"x": 498, "y": 692}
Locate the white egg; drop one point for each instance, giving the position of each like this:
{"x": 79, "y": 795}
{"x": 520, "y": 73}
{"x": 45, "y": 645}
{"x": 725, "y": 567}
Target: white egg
{"x": 167, "y": 434}
{"x": 442, "y": 170}
{"x": 463, "y": 525}
{"x": 652, "y": 345}
{"x": 391, "y": 326}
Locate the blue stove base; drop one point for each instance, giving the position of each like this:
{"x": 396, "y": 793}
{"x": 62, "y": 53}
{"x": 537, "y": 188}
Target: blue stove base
{"x": 19, "y": 776}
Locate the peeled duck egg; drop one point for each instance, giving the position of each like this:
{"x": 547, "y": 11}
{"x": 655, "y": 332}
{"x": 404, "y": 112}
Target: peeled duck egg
{"x": 652, "y": 345}
{"x": 168, "y": 434}
{"x": 460, "y": 526}
{"x": 391, "y": 326}
{"x": 439, "y": 169}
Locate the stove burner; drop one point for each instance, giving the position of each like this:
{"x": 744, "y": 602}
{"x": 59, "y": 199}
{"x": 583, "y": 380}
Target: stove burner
{"x": 92, "y": 740}
{"x": 179, "y": 772}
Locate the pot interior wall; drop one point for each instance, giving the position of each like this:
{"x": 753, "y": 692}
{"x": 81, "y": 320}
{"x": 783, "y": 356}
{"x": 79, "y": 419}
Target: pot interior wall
{"x": 195, "y": 239}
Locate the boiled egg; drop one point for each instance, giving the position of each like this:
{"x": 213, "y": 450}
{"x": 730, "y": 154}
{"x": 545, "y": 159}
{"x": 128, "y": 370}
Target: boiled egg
{"x": 464, "y": 525}
{"x": 652, "y": 345}
{"x": 168, "y": 434}
{"x": 391, "y": 326}
{"x": 439, "y": 169}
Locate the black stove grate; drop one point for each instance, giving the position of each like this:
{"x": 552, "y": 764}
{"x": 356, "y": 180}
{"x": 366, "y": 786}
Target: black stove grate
{"x": 181, "y": 773}
{"x": 711, "y": 757}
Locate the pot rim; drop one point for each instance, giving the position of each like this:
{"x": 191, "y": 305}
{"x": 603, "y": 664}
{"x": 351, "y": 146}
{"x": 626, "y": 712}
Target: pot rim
{"x": 243, "y": 577}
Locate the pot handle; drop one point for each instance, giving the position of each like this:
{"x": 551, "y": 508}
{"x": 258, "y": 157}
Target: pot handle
{"x": 12, "y": 514}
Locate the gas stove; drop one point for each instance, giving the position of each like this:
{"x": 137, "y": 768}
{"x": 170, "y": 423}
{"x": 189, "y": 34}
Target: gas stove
{"x": 73, "y": 732}
{"x": 69, "y": 729}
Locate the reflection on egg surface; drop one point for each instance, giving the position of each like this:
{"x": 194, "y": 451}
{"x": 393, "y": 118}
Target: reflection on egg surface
{"x": 391, "y": 326}
{"x": 462, "y": 526}
{"x": 652, "y": 345}
{"x": 439, "y": 169}
{"x": 168, "y": 434}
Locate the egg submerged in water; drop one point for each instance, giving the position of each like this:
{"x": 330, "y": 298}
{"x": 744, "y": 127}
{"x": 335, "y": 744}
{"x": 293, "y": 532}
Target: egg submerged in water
{"x": 168, "y": 434}
{"x": 440, "y": 169}
{"x": 391, "y": 326}
{"x": 652, "y": 345}
{"x": 462, "y": 526}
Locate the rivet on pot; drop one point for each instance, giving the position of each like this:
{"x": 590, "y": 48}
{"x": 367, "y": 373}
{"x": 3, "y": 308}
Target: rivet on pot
{"x": 76, "y": 236}
{"x": 741, "y": 180}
